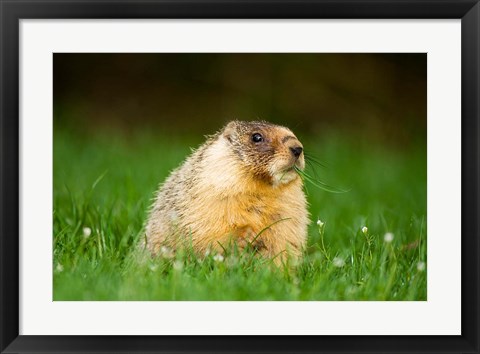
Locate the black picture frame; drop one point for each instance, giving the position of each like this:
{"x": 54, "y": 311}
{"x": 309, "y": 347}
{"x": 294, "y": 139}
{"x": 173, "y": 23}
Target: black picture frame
{"x": 11, "y": 11}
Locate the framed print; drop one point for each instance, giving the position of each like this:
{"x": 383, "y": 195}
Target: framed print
{"x": 239, "y": 176}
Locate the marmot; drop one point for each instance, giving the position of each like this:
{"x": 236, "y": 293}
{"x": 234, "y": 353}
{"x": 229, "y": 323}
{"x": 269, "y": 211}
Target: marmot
{"x": 239, "y": 186}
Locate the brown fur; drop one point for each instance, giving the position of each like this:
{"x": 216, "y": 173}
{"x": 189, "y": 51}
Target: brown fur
{"x": 231, "y": 188}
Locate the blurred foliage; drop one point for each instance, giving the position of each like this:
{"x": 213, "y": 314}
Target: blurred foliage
{"x": 372, "y": 96}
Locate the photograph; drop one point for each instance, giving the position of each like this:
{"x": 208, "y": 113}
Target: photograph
{"x": 239, "y": 177}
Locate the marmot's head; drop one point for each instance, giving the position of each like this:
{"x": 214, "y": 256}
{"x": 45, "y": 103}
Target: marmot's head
{"x": 270, "y": 152}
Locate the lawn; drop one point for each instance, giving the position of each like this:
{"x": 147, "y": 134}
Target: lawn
{"x": 372, "y": 244}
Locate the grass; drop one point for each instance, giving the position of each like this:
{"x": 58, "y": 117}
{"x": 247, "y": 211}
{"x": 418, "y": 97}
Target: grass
{"x": 103, "y": 186}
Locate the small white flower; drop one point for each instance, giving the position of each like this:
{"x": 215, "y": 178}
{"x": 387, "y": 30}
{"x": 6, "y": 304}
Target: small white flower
{"x": 421, "y": 266}
{"x": 87, "y": 232}
{"x": 207, "y": 252}
{"x": 166, "y": 252}
{"x": 365, "y": 230}
{"x": 320, "y": 223}
{"x": 178, "y": 265}
{"x": 218, "y": 258}
{"x": 231, "y": 261}
{"x": 388, "y": 237}
{"x": 338, "y": 262}
{"x": 59, "y": 268}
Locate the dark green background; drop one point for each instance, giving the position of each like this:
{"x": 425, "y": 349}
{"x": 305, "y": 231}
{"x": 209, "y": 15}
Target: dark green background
{"x": 379, "y": 97}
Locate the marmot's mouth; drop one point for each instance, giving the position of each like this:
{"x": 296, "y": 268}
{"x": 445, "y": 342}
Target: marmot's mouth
{"x": 290, "y": 168}
{"x": 293, "y": 168}
{"x": 298, "y": 165}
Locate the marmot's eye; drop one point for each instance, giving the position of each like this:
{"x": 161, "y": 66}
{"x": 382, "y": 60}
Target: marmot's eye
{"x": 256, "y": 138}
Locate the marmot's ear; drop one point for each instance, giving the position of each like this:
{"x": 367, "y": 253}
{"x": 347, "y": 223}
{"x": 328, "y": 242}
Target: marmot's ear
{"x": 229, "y": 130}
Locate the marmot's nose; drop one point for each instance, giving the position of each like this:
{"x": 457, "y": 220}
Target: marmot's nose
{"x": 296, "y": 151}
